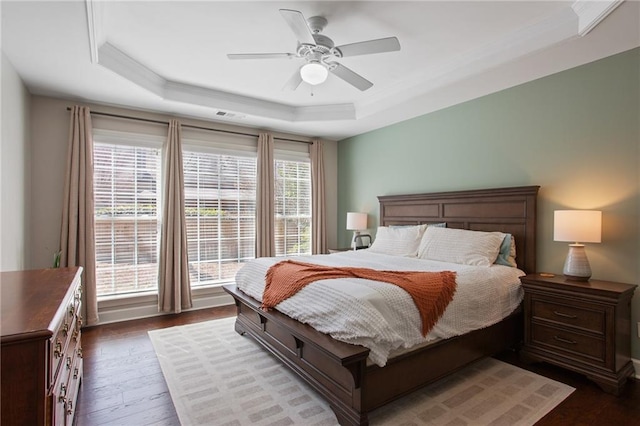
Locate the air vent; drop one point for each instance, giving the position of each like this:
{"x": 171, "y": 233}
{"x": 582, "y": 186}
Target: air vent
{"x": 226, "y": 114}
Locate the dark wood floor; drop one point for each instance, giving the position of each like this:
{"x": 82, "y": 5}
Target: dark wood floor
{"x": 123, "y": 383}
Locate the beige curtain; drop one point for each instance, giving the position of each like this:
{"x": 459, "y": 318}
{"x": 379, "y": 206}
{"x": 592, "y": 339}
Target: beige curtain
{"x": 77, "y": 238}
{"x": 318, "y": 206}
{"x": 265, "y": 209}
{"x": 173, "y": 274}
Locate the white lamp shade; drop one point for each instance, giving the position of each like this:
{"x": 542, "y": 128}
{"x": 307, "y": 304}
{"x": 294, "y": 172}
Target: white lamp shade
{"x": 313, "y": 73}
{"x": 356, "y": 221}
{"x": 580, "y": 226}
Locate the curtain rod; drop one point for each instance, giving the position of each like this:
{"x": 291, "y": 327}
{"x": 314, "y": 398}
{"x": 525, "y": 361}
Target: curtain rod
{"x": 191, "y": 126}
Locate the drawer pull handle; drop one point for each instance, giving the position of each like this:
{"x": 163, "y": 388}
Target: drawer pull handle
{"x": 563, "y": 340}
{"x": 68, "y": 363}
{"x": 79, "y": 352}
{"x": 63, "y": 393}
{"x": 65, "y": 329}
{"x": 75, "y": 373}
{"x": 57, "y": 352}
{"x": 560, "y": 314}
{"x": 70, "y": 408}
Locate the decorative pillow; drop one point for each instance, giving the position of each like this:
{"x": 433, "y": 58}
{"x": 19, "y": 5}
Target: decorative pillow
{"x": 507, "y": 254}
{"x": 438, "y": 225}
{"x": 398, "y": 240}
{"x": 460, "y": 246}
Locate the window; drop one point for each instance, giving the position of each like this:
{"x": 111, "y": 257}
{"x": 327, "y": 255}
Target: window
{"x": 220, "y": 174}
{"x": 220, "y": 208}
{"x": 293, "y": 207}
{"x": 126, "y": 187}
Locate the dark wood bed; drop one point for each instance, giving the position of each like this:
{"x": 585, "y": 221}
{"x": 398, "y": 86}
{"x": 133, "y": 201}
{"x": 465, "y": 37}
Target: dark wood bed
{"x": 339, "y": 371}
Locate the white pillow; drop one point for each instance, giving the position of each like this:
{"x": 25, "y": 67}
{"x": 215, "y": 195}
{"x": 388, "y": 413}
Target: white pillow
{"x": 460, "y": 246}
{"x": 398, "y": 240}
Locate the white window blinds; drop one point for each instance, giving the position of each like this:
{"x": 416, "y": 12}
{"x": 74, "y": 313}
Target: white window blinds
{"x": 220, "y": 208}
{"x": 126, "y": 188}
{"x": 293, "y": 207}
{"x": 220, "y": 197}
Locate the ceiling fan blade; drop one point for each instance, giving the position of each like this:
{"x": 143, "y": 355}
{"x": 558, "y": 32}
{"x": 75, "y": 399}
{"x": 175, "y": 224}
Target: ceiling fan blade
{"x": 294, "y": 81}
{"x": 351, "y": 77}
{"x": 389, "y": 44}
{"x": 260, "y": 55}
{"x": 299, "y": 25}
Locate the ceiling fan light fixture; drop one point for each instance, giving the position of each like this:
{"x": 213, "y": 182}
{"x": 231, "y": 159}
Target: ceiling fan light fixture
{"x": 314, "y": 73}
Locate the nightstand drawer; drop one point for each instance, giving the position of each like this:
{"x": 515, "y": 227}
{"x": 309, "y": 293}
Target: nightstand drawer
{"x": 592, "y": 320}
{"x": 590, "y": 349}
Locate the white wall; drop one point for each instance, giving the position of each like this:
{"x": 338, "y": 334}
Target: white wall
{"x": 14, "y": 170}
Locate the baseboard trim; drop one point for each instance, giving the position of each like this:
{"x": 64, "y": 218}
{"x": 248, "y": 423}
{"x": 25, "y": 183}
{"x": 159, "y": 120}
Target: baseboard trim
{"x": 636, "y": 366}
{"x": 146, "y": 306}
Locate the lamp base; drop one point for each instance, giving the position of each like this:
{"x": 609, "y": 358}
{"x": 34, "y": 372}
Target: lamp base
{"x": 354, "y": 240}
{"x": 576, "y": 266}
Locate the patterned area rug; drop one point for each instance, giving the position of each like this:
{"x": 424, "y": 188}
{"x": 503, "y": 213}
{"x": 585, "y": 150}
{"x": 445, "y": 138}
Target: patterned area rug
{"x": 217, "y": 377}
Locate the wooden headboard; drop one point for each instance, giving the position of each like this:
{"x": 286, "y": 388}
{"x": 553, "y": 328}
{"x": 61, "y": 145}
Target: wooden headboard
{"x": 511, "y": 210}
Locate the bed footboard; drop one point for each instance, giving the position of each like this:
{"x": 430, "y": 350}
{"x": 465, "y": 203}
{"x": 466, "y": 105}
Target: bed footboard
{"x": 334, "y": 369}
{"x": 339, "y": 371}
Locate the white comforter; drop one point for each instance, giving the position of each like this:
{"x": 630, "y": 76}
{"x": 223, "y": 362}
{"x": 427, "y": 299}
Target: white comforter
{"x": 381, "y": 316}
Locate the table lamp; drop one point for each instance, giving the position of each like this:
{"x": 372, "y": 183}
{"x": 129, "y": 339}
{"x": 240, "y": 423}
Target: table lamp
{"x": 577, "y": 226}
{"x": 357, "y": 222}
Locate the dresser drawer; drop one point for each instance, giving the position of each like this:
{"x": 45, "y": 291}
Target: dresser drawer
{"x": 65, "y": 388}
{"x": 74, "y": 386}
{"x": 589, "y": 349}
{"x": 65, "y": 334}
{"x": 73, "y": 375}
{"x": 583, "y": 317}
{"x": 59, "y": 345}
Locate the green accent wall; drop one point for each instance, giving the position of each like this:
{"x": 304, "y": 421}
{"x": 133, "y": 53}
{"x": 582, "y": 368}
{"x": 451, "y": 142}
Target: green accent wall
{"x": 575, "y": 133}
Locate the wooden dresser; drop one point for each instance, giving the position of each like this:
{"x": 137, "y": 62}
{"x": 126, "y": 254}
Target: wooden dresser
{"x": 581, "y": 326}
{"x": 41, "y": 352}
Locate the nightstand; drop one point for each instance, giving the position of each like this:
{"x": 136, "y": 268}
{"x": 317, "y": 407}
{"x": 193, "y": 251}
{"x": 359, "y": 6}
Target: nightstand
{"x": 338, "y": 250}
{"x": 584, "y": 326}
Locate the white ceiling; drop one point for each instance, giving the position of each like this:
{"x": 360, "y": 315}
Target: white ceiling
{"x": 170, "y": 56}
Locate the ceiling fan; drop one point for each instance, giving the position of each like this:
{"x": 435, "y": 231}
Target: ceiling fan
{"x": 319, "y": 52}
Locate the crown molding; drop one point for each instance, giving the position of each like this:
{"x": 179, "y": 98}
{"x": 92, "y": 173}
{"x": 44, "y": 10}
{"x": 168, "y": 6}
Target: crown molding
{"x": 120, "y": 63}
{"x": 125, "y": 66}
{"x": 94, "y": 20}
{"x": 591, "y": 13}
{"x": 217, "y": 99}
{"x": 325, "y": 112}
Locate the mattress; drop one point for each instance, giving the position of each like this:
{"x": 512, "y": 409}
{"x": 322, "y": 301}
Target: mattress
{"x": 381, "y": 316}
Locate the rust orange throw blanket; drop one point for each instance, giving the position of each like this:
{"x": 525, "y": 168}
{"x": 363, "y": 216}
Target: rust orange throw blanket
{"x": 430, "y": 291}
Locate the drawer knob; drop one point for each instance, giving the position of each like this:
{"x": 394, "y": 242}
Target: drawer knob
{"x": 560, "y": 314}
{"x": 563, "y": 340}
